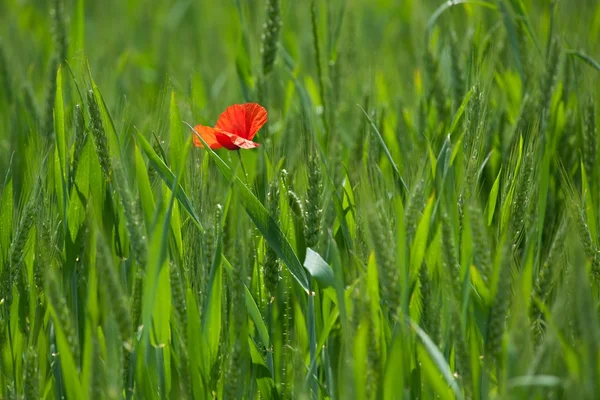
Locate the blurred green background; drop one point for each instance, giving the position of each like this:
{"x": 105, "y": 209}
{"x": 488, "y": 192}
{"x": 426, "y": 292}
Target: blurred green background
{"x": 139, "y": 49}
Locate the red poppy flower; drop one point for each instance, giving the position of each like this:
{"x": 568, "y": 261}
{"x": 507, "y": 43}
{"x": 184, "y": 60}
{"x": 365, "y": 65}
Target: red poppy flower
{"x": 235, "y": 128}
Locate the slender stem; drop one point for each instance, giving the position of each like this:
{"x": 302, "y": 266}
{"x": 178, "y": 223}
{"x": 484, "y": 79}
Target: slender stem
{"x": 243, "y": 168}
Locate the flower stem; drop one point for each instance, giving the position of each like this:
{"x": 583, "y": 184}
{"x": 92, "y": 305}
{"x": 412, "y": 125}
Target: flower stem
{"x": 243, "y": 168}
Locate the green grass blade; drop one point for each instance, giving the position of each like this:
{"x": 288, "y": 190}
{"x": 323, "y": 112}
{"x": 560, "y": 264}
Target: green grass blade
{"x": 385, "y": 149}
{"x": 493, "y": 197}
{"x": 438, "y": 359}
{"x": 265, "y": 382}
{"x": 585, "y": 58}
{"x": 197, "y": 361}
{"x": 460, "y": 111}
{"x": 109, "y": 126}
{"x": 67, "y": 362}
{"x": 59, "y": 124}
{"x": 157, "y": 257}
{"x": 144, "y": 187}
{"x": 6, "y": 217}
{"x": 419, "y": 244}
{"x": 80, "y": 192}
{"x": 61, "y": 149}
{"x": 211, "y": 318}
{"x": 586, "y": 195}
{"x": 257, "y": 318}
{"x": 167, "y": 176}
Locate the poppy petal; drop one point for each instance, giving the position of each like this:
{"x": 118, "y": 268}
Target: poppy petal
{"x": 243, "y": 120}
{"x": 208, "y": 134}
{"x": 233, "y": 142}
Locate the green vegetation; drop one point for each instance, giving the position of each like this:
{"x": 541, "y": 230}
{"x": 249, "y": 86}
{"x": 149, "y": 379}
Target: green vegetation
{"x": 421, "y": 220}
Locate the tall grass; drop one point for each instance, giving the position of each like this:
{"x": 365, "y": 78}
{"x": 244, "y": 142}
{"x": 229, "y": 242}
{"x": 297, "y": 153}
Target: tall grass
{"x": 421, "y": 220}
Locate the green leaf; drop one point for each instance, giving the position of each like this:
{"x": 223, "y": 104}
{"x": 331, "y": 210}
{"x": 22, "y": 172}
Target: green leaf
{"x": 586, "y": 195}
{"x": 544, "y": 184}
{"x": 262, "y": 374}
{"x": 67, "y": 362}
{"x": 318, "y": 268}
{"x": 385, "y": 149}
{"x": 92, "y": 306}
{"x": 373, "y": 290}
{"x": 419, "y": 244}
{"x": 359, "y": 356}
{"x": 196, "y": 359}
{"x": 585, "y": 58}
{"x": 433, "y": 381}
{"x": 393, "y": 379}
{"x": 59, "y": 124}
{"x": 59, "y": 184}
{"x": 326, "y": 331}
{"x": 252, "y": 309}
{"x": 438, "y": 359}
{"x": 474, "y": 338}
{"x": 88, "y": 354}
{"x": 460, "y": 111}
{"x": 507, "y": 202}
{"x": 257, "y": 318}
{"x": 211, "y": 320}
{"x": 263, "y": 221}
{"x": 402, "y": 260}
{"x": 6, "y": 217}
{"x": 157, "y": 258}
{"x": 569, "y": 355}
{"x": 144, "y": 187}
{"x": 167, "y": 176}
{"x": 336, "y": 264}
{"x": 177, "y": 243}
{"x": 480, "y": 286}
{"x": 432, "y": 159}
{"x": 80, "y": 192}
{"x": 97, "y": 186}
{"x": 162, "y": 309}
{"x": 493, "y": 198}
{"x": 341, "y": 219}
{"x": 107, "y": 121}
{"x": 61, "y": 152}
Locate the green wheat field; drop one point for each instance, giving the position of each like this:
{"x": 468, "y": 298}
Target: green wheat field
{"x": 420, "y": 221}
